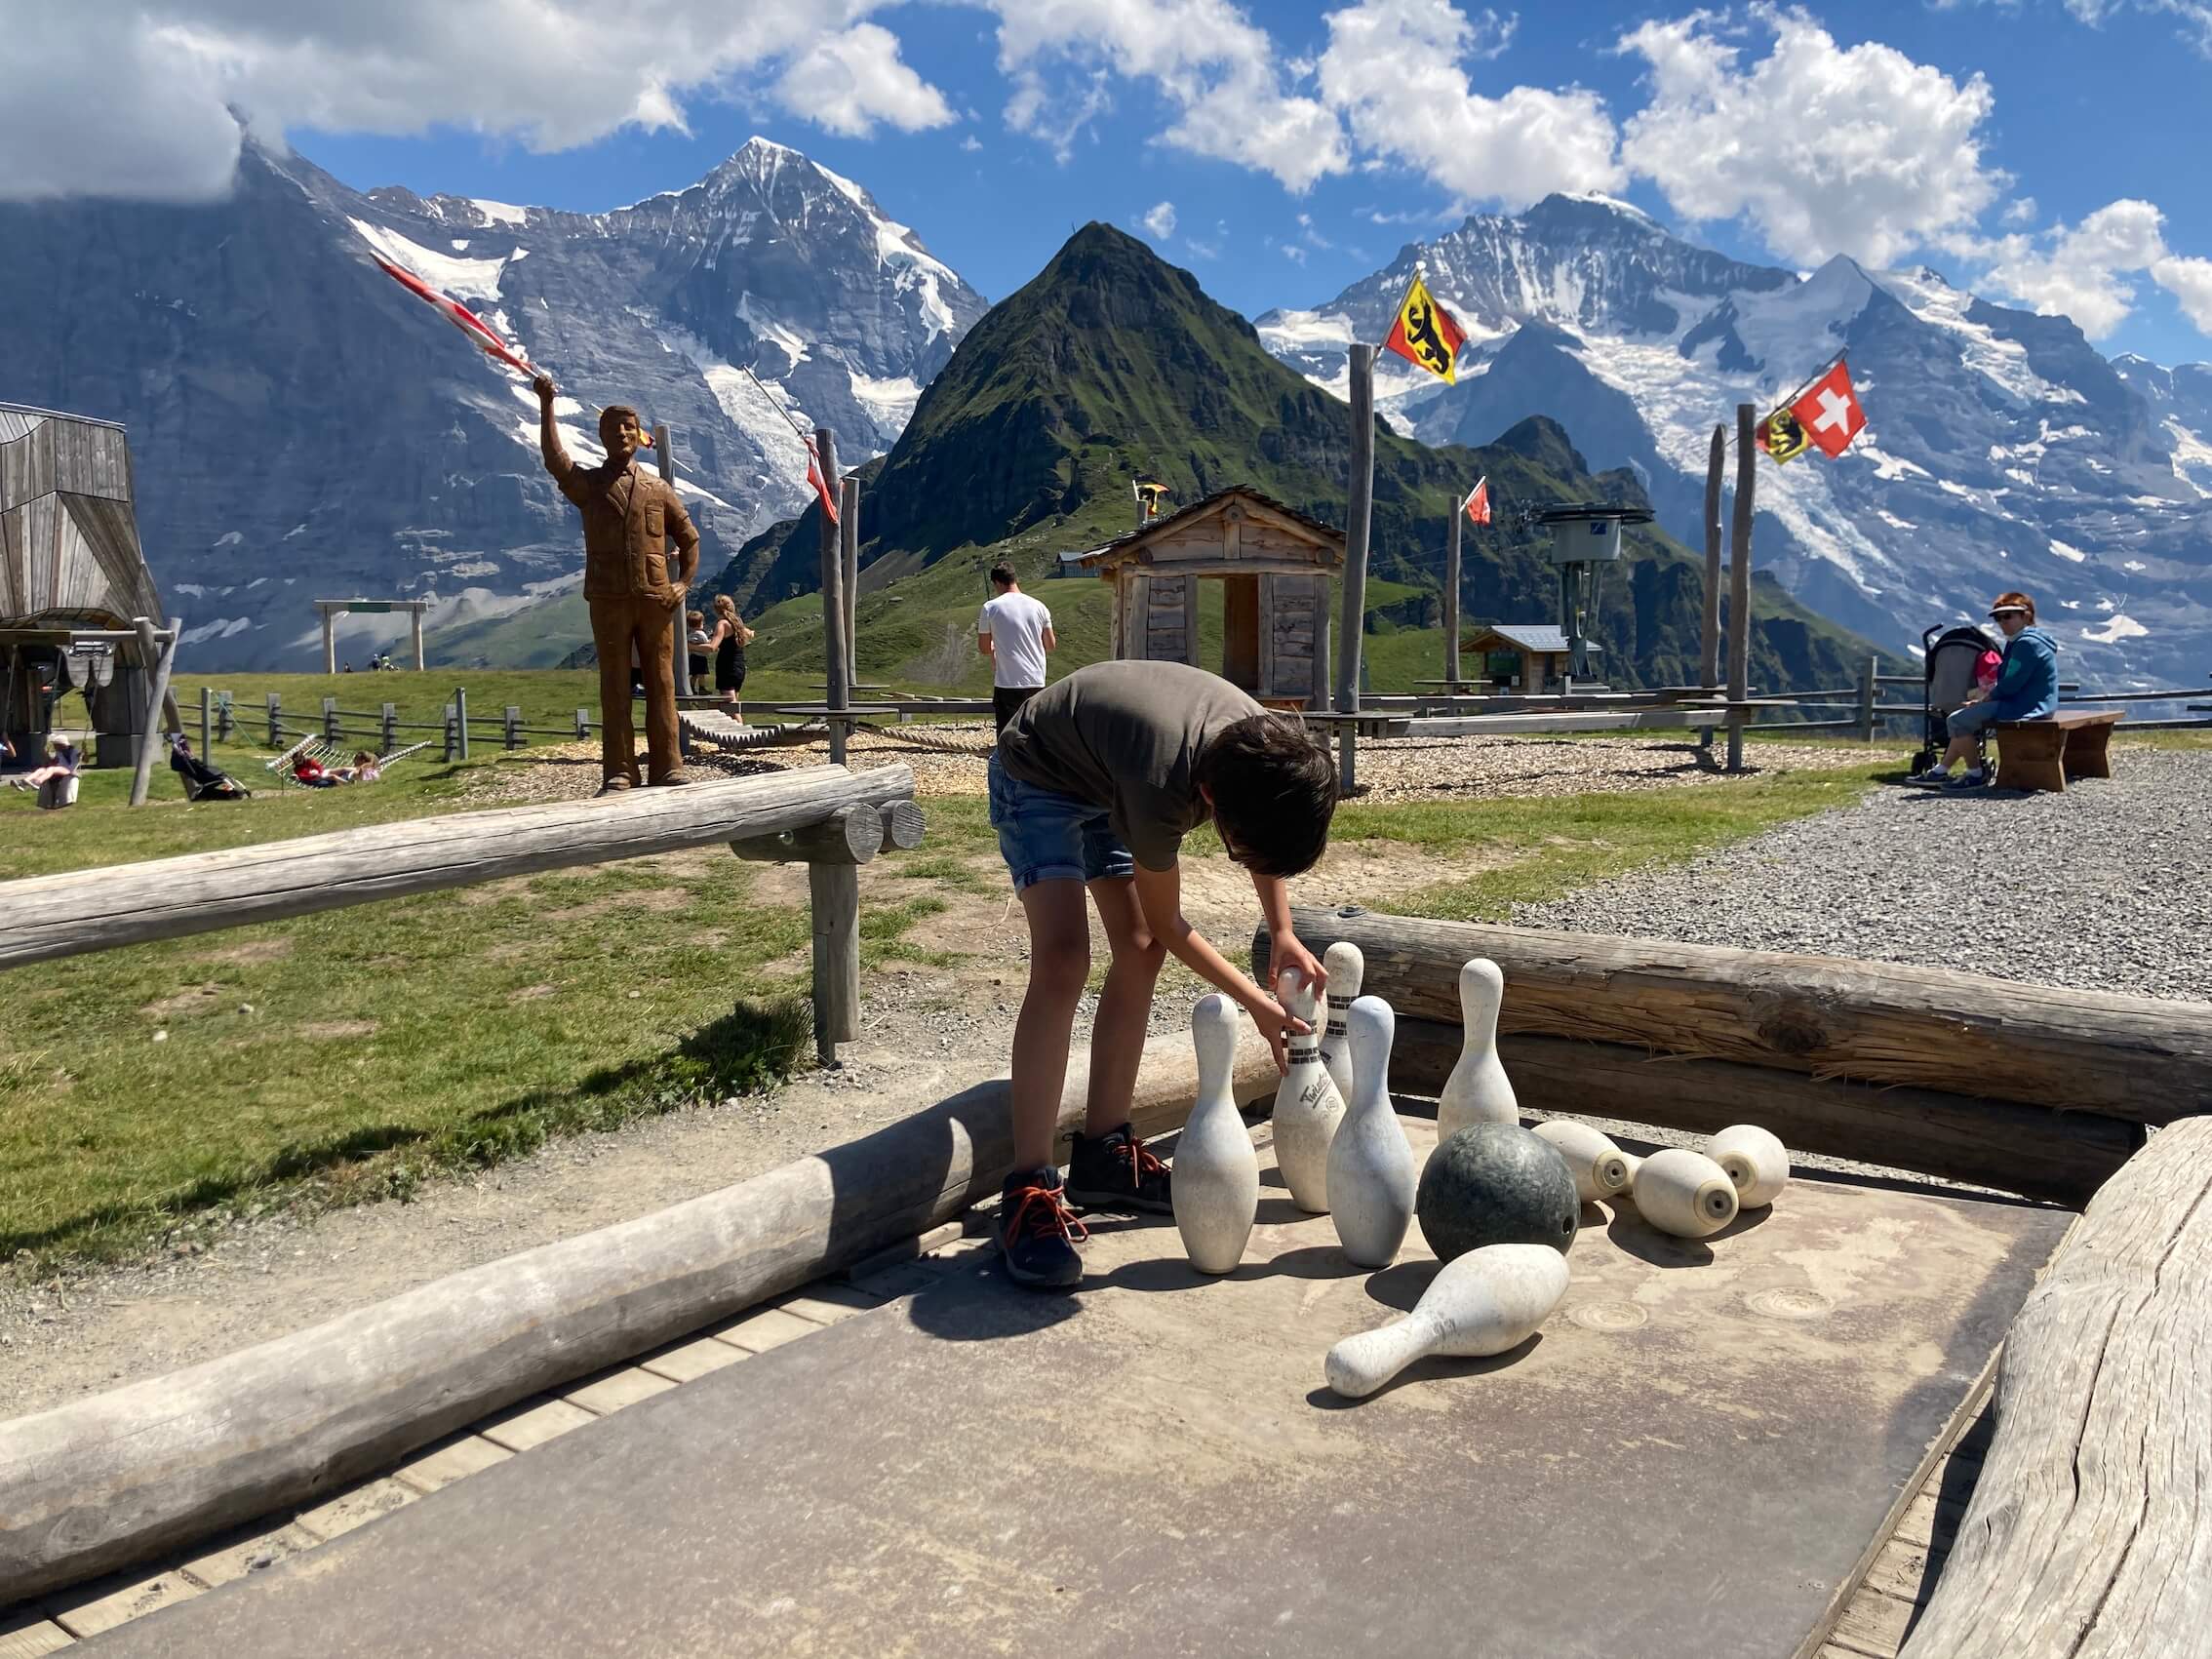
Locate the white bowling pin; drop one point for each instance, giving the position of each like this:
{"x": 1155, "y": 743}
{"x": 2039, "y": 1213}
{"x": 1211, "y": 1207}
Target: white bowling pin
{"x": 1754, "y": 1159}
{"x": 1307, "y": 1106}
{"x": 1216, "y": 1184}
{"x": 1346, "y": 968}
{"x": 1477, "y": 1091}
{"x": 1601, "y": 1169}
{"x": 1371, "y": 1172}
{"x": 1685, "y": 1193}
{"x": 1484, "y": 1302}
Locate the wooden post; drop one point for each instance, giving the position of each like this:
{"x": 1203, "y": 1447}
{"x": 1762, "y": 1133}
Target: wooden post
{"x": 1867, "y": 677}
{"x": 206, "y": 723}
{"x": 461, "y": 718}
{"x": 1318, "y": 700}
{"x": 330, "y": 640}
{"x": 227, "y": 716}
{"x": 1709, "y": 664}
{"x": 388, "y": 722}
{"x": 2087, "y": 1531}
{"x": 831, "y": 563}
{"x": 835, "y": 891}
{"x": 452, "y": 743}
{"x": 414, "y": 617}
{"x": 329, "y": 720}
{"x": 161, "y": 650}
{"x": 848, "y": 538}
{"x": 1739, "y": 583}
{"x": 276, "y": 722}
{"x": 1451, "y": 608}
{"x": 510, "y": 728}
{"x": 1359, "y": 511}
{"x": 583, "y": 725}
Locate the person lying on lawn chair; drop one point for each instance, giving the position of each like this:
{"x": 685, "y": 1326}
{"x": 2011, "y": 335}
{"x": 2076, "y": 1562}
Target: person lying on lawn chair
{"x": 202, "y": 783}
{"x": 364, "y": 770}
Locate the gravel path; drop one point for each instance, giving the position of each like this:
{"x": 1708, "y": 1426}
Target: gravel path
{"x": 2107, "y": 887}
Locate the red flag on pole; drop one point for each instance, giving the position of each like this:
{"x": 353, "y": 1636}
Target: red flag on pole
{"x": 814, "y": 478}
{"x": 461, "y": 316}
{"x": 1477, "y": 502}
{"x": 1830, "y": 411}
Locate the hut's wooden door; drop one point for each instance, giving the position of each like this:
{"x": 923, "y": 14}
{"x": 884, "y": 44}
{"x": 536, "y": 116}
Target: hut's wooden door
{"x": 1240, "y": 631}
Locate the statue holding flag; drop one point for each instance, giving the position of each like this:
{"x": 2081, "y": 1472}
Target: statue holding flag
{"x": 629, "y": 518}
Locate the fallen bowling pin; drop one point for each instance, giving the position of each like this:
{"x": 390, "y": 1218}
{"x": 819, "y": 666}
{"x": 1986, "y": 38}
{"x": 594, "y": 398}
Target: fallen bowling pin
{"x": 1601, "y": 1169}
{"x": 1484, "y": 1302}
{"x": 1216, "y": 1186}
{"x": 1685, "y": 1193}
{"x": 1478, "y": 1091}
{"x": 1371, "y": 1174}
{"x": 1307, "y": 1106}
{"x": 1754, "y": 1159}
{"x": 1346, "y": 968}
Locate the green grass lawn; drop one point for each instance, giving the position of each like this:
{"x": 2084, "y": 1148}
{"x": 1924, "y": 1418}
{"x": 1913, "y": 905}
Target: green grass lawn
{"x": 352, "y": 1053}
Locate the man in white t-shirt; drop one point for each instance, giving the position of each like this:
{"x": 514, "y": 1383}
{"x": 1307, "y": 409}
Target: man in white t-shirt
{"x": 1015, "y": 632}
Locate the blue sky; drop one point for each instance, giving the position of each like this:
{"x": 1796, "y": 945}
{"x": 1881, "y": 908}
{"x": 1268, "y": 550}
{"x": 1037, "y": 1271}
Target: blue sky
{"x": 2045, "y": 150}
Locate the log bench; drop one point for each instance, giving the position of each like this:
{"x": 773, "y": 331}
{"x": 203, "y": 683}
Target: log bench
{"x": 2042, "y": 754}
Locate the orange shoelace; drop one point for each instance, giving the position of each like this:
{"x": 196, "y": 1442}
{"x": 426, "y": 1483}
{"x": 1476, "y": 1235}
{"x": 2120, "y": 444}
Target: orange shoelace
{"x": 1044, "y": 1209}
{"x": 1143, "y": 1162}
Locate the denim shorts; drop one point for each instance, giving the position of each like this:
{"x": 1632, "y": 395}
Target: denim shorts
{"x": 1045, "y": 836}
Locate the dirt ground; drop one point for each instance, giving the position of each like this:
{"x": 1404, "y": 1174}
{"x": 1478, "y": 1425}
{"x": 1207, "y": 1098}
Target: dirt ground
{"x": 927, "y": 1032}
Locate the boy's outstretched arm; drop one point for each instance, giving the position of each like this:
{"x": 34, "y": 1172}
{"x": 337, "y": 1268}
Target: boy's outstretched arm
{"x": 1284, "y": 949}
{"x": 1160, "y": 894}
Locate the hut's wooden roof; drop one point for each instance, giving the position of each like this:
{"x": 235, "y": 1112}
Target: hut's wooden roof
{"x": 1327, "y": 539}
{"x": 69, "y": 550}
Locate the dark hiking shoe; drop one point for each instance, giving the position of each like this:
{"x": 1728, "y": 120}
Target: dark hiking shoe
{"x": 673, "y": 780}
{"x": 1036, "y": 1230}
{"x": 1119, "y": 1171}
{"x": 1969, "y": 780}
{"x": 615, "y": 786}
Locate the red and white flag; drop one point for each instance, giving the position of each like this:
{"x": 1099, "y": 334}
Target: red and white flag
{"x": 1477, "y": 502}
{"x": 479, "y": 333}
{"x": 1830, "y": 411}
{"x": 814, "y": 478}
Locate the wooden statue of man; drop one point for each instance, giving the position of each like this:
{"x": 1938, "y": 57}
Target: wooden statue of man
{"x": 629, "y": 516}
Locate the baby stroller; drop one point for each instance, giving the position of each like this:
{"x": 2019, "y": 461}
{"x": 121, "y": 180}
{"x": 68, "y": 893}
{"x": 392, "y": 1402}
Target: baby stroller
{"x": 1949, "y": 656}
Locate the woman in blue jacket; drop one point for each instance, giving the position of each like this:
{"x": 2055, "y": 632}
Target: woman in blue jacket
{"x": 2026, "y": 688}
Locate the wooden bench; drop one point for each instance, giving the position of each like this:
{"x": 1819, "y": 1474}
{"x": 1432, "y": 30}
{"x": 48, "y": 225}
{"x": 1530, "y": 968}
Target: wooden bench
{"x": 2042, "y": 754}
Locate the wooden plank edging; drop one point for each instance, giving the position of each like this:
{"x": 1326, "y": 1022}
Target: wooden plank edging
{"x": 115, "y": 1479}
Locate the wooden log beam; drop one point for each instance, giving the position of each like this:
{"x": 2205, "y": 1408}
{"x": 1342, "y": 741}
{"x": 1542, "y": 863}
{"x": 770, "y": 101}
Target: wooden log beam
{"x": 2035, "y": 1151}
{"x": 2144, "y": 1059}
{"x": 2088, "y": 1533}
{"x": 198, "y": 892}
{"x": 850, "y": 835}
{"x": 903, "y": 826}
{"x": 834, "y": 894}
{"x": 115, "y": 1479}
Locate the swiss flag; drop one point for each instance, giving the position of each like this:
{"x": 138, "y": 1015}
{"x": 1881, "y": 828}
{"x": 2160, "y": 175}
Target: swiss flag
{"x": 820, "y": 485}
{"x": 1477, "y": 502}
{"x": 1830, "y": 411}
{"x": 461, "y": 316}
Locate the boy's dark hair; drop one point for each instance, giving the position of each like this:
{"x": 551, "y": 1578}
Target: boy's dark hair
{"x": 1002, "y": 573}
{"x": 611, "y": 418}
{"x": 1273, "y": 791}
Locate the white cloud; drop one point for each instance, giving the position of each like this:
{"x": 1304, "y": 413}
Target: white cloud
{"x": 2194, "y": 15}
{"x": 2189, "y": 282}
{"x": 846, "y": 83}
{"x": 549, "y": 74}
{"x": 2020, "y": 211}
{"x": 1826, "y": 149}
{"x": 1161, "y": 221}
{"x": 1220, "y": 72}
{"x": 1394, "y": 68}
{"x": 2085, "y": 271}
{"x": 971, "y": 144}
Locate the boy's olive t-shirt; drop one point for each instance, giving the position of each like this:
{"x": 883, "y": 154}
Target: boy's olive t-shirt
{"x": 1126, "y": 737}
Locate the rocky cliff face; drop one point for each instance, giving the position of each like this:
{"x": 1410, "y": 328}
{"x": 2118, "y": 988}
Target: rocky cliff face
{"x": 301, "y": 427}
{"x": 2001, "y": 450}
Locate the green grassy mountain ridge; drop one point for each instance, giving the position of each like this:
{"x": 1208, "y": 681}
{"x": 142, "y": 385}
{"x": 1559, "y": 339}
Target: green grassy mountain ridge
{"x": 1111, "y": 363}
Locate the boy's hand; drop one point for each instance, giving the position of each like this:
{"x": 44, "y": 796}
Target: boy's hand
{"x": 543, "y": 387}
{"x": 1287, "y": 953}
{"x": 1274, "y": 1025}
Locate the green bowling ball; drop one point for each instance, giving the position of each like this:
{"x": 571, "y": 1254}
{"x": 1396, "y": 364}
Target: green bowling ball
{"x": 1497, "y": 1184}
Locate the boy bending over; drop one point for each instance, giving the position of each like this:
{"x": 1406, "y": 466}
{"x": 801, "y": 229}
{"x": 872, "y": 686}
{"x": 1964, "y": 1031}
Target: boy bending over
{"x": 1094, "y": 783}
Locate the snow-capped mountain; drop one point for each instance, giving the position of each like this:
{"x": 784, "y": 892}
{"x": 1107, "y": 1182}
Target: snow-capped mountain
{"x": 301, "y": 427}
{"x": 2001, "y": 451}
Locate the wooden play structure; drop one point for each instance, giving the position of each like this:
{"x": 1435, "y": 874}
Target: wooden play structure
{"x": 1274, "y": 565}
{"x": 330, "y": 610}
{"x": 78, "y": 606}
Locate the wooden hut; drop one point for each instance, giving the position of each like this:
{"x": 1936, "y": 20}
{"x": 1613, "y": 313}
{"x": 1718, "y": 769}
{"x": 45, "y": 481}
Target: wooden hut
{"x": 73, "y": 580}
{"x": 1274, "y": 563}
{"x": 1525, "y": 657}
